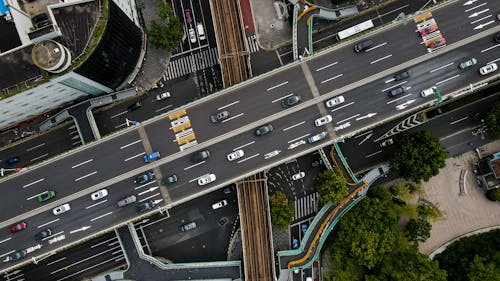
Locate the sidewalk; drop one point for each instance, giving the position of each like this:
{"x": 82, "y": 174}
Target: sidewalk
{"x": 271, "y": 31}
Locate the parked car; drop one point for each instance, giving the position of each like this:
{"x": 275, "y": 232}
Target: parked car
{"x": 295, "y": 243}
{"x": 219, "y": 204}
{"x": 298, "y": 176}
{"x": 99, "y": 194}
{"x": 363, "y": 46}
{"x": 169, "y": 180}
{"x": 323, "y": 120}
{"x": 229, "y": 189}
{"x": 386, "y": 142}
{"x": 437, "y": 43}
{"x": 497, "y": 37}
{"x": 151, "y": 156}
{"x": 126, "y": 201}
{"x": 317, "y": 137}
{"x": 396, "y": 91}
{"x": 188, "y": 226}
{"x": 468, "y": 63}
{"x": 163, "y": 96}
{"x": 17, "y": 255}
{"x": 43, "y": 234}
{"x": 206, "y": 179}
{"x": 489, "y": 68}
{"x": 46, "y": 195}
{"x": 303, "y": 228}
{"x": 146, "y": 206}
{"x": 291, "y": 101}
{"x": 401, "y": 75}
{"x": 18, "y": 227}
{"x": 201, "y": 31}
{"x": 235, "y": 155}
{"x": 145, "y": 178}
{"x": 187, "y": 13}
{"x": 61, "y": 209}
{"x": 192, "y": 35}
{"x": 136, "y": 105}
{"x": 11, "y": 161}
{"x": 264, "y": 130}
{"x": 215, "y": 118}
{"x": 335, "y": 101}
{"x": 200, "y": 156}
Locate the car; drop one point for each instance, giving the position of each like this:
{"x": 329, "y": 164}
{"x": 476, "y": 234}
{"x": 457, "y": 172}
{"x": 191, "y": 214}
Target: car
{"x": 46, "y": 195}
{"x": 99, "y": 194}
{"x": 363, "y": 46}
{"x": 169, "y": 180}
{"x": 206, "y": 179}
{"x": 127, "y": 200}
{"x": 43, "y": 23}
{"x": 396, "y": 91}
{"x": 136, "y": 105}
{"x": 235, "y": 155}
{"x": 187, "y": 13}
{"x": 401, "y": 75}
{"x": 200, "y": 156}
{"x": 188, "y": 226}
{"x": 335, "y": 101}
{"x": 18, "y": 227}
{"x": 215, "y": 118}
{"x": 40, "y": 17}
{"x": 61, "y": 209}
{"x": 479, "y": 182}
{"x": 219, "y": 204}
{"x": 386, "y": 142}
{"x": 201, "y": 31}
{"x": 489, "y": 68}
{"x": 145, "y": 206}
{"x": 298, "y": 176}
{"x": 323, "y": 120}
{"x": 192, "y": 35}
{"x": 163, "y": 96}
{"x": 295, "y": 243}
{"x": 229, "y": 189}
{"x": 145, "y": 178}
{"x": 437, "y": 43}
{"x": 497, "y": 37}
{"x": 291, "y": 101}
{"x": 428, "y": 30}
{"x": 11, "y": 161}
{"x": 43, "y": 234}
{"x": 17, "y": 255}
{"x": 317, "y": 137}
{"x": 303, "y": 228}
{"x": 151, "y": 156}
{"x": 428, "y": 92}
{"x": 468, "y": 63}
{"x": 498, "y": 16}
{"x": 264, "y": 130}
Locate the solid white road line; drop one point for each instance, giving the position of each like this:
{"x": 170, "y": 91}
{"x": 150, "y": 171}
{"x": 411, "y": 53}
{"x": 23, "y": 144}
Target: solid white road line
{"x": 331, "y": 78}
{"x": 232, "y": 117}
{"x": 5, "y": 240}
{"x": 192, "y": 166}
{"x": 3, "y": 255}
{"x": 373, "y": 154}
{"x": 101, "y": 216}
{"x": 340, "y": 107}
{"x": 86, "y": 176}
{"x": 85, "y": 269}
{"x": 121, "y": 113}
{"x": 98, "y": 203}
{"x": 47, "y": 223}
{"x": 37, "y": 158}
{"x": 240, "y": 147}
{"x": 348, "y": 118}
{"x": 56, "y": 261}
{"x": 29, "y": 198}
{"x": 400, "y": 98}
{"x": 327, "y": 66}
{"x": 121, "y": 125}
{"x": 103, "y": 242}
{"x": 130, "y": 144}
{"x": 35, "y": 182}
{"x": 490, "y": 62}
{"x": 365, "y": 133}
{"x": 459, "y": 120}
{"x": 35, "y": 147}
{"x": 276, "y": 86}
{"x": 284, "y": 97}
{"x": 135, "y": 156}
{"x": 376, "y": 46}
{"x": 296, "y": 139}
{"x": 147, "y": 198}
{"x": 53, "y": 235}
{"x": 492, "y": 47}
{"x": 116, "y": 252}
{"x": 441, "y": 67}
{"x": 293, "y": 126}
{"x": 447, "y": 79}
{"x": 228, "y": 105}
{"x": 248, "y": 158}
{"x": 473, "y": 22}
{"x": 83, "y": 260}
{"x": 394, "y": 86}
{"x": 163, "y": 108}
{"x": 382, "y": 58}
{"x": 141, "y": 186}
{"x": 470, "y": 9}
{"x": 83, "y": 163}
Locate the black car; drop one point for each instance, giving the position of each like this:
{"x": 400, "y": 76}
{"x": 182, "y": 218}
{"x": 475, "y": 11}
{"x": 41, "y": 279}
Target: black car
{"x": 169, "y": 180}
{"x": 136, "y": 105}
{"x": 200, "y": 156}
{"x": 291, "y": 101}
{"x": 497, "y": 38}
{"x": 43, "y": 234}
{"x": 17, "y": 255}
{"x": 401, "y": 75}
{"x": 144, "y": 178}
{"x": 266, "y": 129}
{"x": 145, "y": 206}
{"x": 396, "y": 91}
{"x": 363, "y": 46}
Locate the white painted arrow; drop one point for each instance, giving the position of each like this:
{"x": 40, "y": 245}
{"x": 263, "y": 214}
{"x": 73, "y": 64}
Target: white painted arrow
{"x": 149, "y": 190}
{"x": 83, "y": 228}
{"x": 478, "y": 13}
{"x": 470, "y": 2}
{"x": 484, "y": 24}
{"x": 369, "y": 115}
{"x": 157, "y": 201}
{"x": 365, "y": 139}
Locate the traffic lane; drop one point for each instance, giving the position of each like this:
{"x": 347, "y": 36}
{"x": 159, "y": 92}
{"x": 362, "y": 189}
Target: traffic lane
{"x": 208, "y": 24}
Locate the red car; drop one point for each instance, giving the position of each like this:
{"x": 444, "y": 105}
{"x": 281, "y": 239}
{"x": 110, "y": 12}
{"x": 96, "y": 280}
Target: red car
{"x": 18, "y": 227}
{"x": 428, "y": 30}
{"x": 437, "y": 43}
{"x": 187, "y": 12}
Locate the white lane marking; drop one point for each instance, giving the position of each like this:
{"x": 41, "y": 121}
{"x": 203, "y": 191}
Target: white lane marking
{"x": 459, "y": 120}
{"x": 141, "y": 186}
{"x": 121, "y": 125}
{"x": 5, "y": 240}
{"x": 56, "y": 261}
{"x": 284, "y": 97}
{"x": 390, "y": 80}
{"x": 473, "y": 22}
{"x": 3, "y": 255}
{"x": 232, "y": 117}
{"x": 340, "y": 107}
{"x": 98, "y": 203}
{"x": 492, "y": 47}
{"x": 192, "y": 166}
{"x": 484, "y": 24}
{"x": 37, "y": 158}
{"x": 163, "y": 108}
{"x": 375, "y": 47}
{"x": 293, "y": 126}
{"x": 365, "y": 133}
{"x": 327, "y": 66}
{"x": 473, "y": 15}
{"x": 348, "y": 118}
{"x": 148, "y": 190}
{"x": 382, "y": 58}
{"x": 47, "y": 223}
{"x": 129, "y": 144}
{"x": 447, "y": 79}
{"x": 119, "y": 258}
{"x": 87, "y": 175}
{"x": 276, "y": 86}
{"x": 121, "y": 113}
{"x": 470, "y": 9}
{"x": 112, "y": 243}
{"x": 493, "y": 61}
{"x": 101, "y": 216}
{"x": 103, "y": 242}
{"x": 241, "y": 146}
{"x": 147, "y": 198}
{"x": 394, "y": 86}
{"x": 331, "y": 78}
{"x": 85, "y": 269}
{"x": 296, "y": 139}
{"x": 400, "y": 98}
{"x": 83, "y": 260}
{"x": 116, "y": 252}
{"x": 135, "y": 156}
{"x": 35, "y": 147}
{"x": 29, "y": 198}
{"x": 53, "y": 235}
{"x": 248, "y": 158}
{"x": 35, "y": 182}
{"x": 441, "y": 67}
{"x": 83, "y": 163}
{"x": 373, "y": 154}
{"x": 228, "y": 105}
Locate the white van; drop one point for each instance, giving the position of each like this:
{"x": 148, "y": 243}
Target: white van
{"x": 427, "y": 92}
{"x": 201, "y": 31}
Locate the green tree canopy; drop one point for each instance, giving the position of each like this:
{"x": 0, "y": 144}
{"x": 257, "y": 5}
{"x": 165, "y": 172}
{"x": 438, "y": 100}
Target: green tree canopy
{"x": 493, "y": 194}
{"x": 418, "y": 230}
{"x": 167, "y": 33}
{"x": 282, "y": 211}
{"x": 481, "y": 269}
{"x": 492, "y": 121}
{"x": 332, "y": 186}
{"x": 418, "y": 156}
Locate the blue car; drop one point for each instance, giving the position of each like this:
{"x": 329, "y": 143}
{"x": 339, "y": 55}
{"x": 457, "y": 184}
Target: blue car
{"x": 151, "y": 157}
{"x": 295, "y": 243}
{"x": 11, "y": 161}
{"x": 304, "y": 227}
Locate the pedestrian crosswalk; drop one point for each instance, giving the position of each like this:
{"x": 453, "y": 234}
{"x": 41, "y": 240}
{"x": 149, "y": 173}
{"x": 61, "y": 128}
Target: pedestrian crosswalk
{"x": 306, "y": 206}
{"x": 189, "y": 64}
{"x": 252, "y": 43}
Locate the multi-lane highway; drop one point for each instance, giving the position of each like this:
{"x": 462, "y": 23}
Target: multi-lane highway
{"x": 362, "y": 79}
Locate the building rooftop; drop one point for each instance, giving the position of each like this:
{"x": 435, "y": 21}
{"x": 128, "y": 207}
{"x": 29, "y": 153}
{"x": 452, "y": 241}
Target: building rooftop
{"x": 495, "y": 165}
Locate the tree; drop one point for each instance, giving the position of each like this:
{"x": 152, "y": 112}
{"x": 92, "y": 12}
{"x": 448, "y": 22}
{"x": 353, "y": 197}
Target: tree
{"x": 427, "y": 212}
{"x": 167, "y": 33}
{"x": 282, "y": 211}
{"x": 493, "y": 194}
{"x": 492, "y": 121}
{"x": 332, "y": 186}
{"x": 481, "y": 269}
{"x": 418, "y": 156}
{"x": 418, "y": 230}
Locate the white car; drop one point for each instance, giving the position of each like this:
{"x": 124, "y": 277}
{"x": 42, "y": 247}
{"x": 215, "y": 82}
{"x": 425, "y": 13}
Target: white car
{"x": 235, "y": 155}
{"x": 61, "y": 209}
{"x": 335, "y": 101}
{"x": 163, "y": 96}
{"x": 427, "y": 92}
{"x": 206, "y": 179}
{"x": 342, "y": 126}
{"x": 219, "y": 204}
{"x": 489, "y": 68}
{"x": 323, "y": 120}
{"x": 99, "y": 194}
{"x": 298, "y": 176}
{"x": 192, "y": 35}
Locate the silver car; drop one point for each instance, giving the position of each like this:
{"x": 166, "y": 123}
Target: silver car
{"x": 335, "y": 101}
{"x": 206, "y": 179}
{"x": 61, "y": 209}
{"x": 126, "y": 201}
